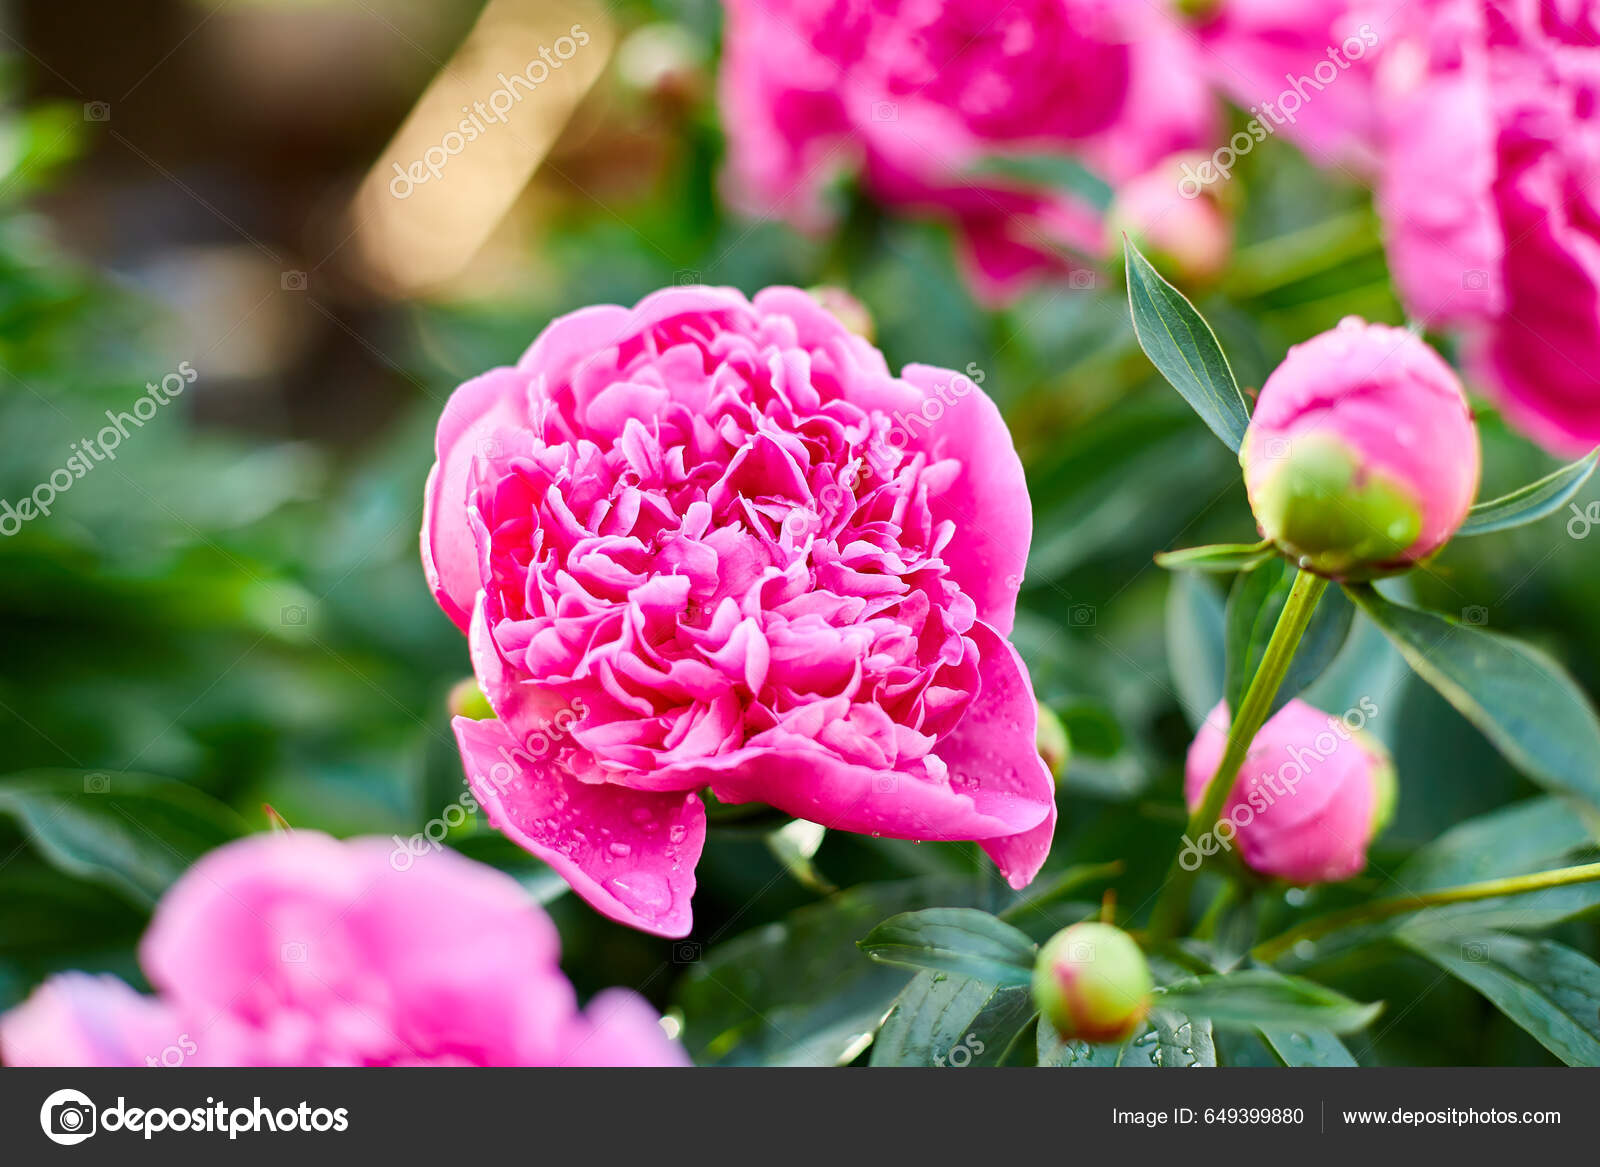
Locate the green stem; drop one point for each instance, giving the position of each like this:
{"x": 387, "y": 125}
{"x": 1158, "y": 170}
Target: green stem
{"x": 1270, "y": 950}
{"x": 1275, "y": 263}
{"x": 1248, "y": 719}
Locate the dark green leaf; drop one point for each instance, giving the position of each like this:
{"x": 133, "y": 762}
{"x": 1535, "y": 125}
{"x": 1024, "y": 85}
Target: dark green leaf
{"x": 1262, "y": 998}
{"x": 963, "y": 941}
{"x": 1520, "y": 699}
{"x": 1169, "y": 1040}
{"x": 1183, "y": 348}
{"x": 1217, "y": 557}
{"x": 943, "y": 1020}
{"x": 1532, "y": 502}
{"x": 1254, "y": 606}
{"x": 1546, "y": 988}
{"x": 133, "y": 832}
{"x": 1307, "y": 1047}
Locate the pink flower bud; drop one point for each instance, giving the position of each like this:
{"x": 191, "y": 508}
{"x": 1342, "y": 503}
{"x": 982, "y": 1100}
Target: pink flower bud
{"x": 1362, "y": 456}
{"x": 1092, "y": 982}
{"x": 1188, "y": 238}
{"x": 1312, "y": 794}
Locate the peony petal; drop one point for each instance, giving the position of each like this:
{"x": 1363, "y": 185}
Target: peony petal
{"x": 478, "y": 410}
{"x": 619, "y": 1028}
{"x": 75, "y": 1019}
{"x": 996, "y": 744}
{"x": 630, "y": 854}
{"x": 989, "y": 501}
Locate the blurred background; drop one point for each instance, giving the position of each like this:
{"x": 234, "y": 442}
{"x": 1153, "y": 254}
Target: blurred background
{"x": 229, "y": 614}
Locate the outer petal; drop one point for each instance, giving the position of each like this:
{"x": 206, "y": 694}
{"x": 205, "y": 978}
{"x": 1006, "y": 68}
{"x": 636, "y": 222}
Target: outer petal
{"x": 619, "y": 1028}
{"x": 995, "y": 743}
{"x": 80, "y": 1020}
{"x": 475, "y": 413}
{"x": 989, "y": 502}
{"x": 630, "y": 854}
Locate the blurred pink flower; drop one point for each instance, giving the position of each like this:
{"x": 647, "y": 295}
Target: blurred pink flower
{"x": 299, "y": 950}
{"x": 1491, "y": 198}
{"x": 1302, "y": 68}
{"x": 713, "y": 542}
{"x": 914, "y": 95}
{"x": 1312, "y": 792}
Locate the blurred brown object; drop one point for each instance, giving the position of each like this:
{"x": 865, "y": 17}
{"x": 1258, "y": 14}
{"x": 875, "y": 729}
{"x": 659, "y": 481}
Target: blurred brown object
{"x": 473, "y": 140}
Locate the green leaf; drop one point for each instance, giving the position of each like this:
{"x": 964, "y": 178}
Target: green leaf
{"x": 1532, "y": 502}
{"x": 1546, "y": 988}
{"x": 1183, "y": 348}
{"x": 942, "y": 1020}
{"x": 1262, "y": 999}
{"x": 1217, "y": 557}
{"x": 1520, "y": 699}
{"x": 1254, "y": 606}
{"x": 1196, "y": 645}
{"x": 1536, "y": 834}
{"x": 1056, "y": 171}
{"x": 963, "y": 941}
{"x": 1169, "y": 1040}
{"x": 798, "y": 992}
{"x": 133, "y": 832}
{"x": 1307, "y": 1047}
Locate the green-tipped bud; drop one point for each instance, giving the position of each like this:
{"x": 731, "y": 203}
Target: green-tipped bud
{"x": 1093, "y": 983}
{"x": 851, "y": 312}
{"x": 1054, "y": 745}
{"x": 467, "y": 700}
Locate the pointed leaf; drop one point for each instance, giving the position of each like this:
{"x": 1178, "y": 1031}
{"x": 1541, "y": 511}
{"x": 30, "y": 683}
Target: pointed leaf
{"x": 963, "y": 941}
{"x": 1262, "y": 998}
{"x": 1520, "y": 699}
{"x": 943, "y": 1020}
{"x": 1218, "y": 557}
{"x": 1547, "y": 988}
{"x": 1183, "y": 348}
{"x": 1532, "y": 502}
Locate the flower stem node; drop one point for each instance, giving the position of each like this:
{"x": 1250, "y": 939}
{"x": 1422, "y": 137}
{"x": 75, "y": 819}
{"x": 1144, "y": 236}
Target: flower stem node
{"x": 1092, "y": 982}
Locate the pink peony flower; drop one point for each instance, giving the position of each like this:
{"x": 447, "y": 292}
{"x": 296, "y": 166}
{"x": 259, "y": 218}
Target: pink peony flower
{"x": 1311, "y": 795}
{"x": 299, "y": 950}
{"x": 709, "y": 542}
{"x": 1491, "y": 198}
{"x": 916, "y": 94}
{"x": 1362, "y": 456}
{"x": 1301, "y": 68}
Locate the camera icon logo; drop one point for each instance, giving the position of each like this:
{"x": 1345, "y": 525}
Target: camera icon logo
{"x": 1081, "y": 279}
{"x": 293, "y": 616}
{"x": 67, "y": 1117}
{"x": 686, "y": 952}
{"x": 1475, "y": 280}
{"x": 293, "y": 952}
{"x": 1475, "y": 952}
{"x": 98, "y": 782}
{"x": 884, "y": 784}
{"x": 1081, "y": 616}
{"x": 1278, "y": 449}
{"x": 885, "y": 111}
{"x": 294, "y": 281}
{"x": 97, "y": 111}
{"x": 1475, "y": 614}
{"x": 687, "y": 278}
